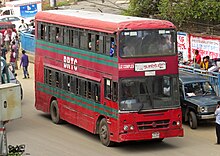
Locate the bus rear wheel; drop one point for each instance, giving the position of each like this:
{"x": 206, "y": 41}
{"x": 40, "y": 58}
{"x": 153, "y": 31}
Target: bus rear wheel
{"x": 104, "y": 134}
{"x": 54, "y": 112}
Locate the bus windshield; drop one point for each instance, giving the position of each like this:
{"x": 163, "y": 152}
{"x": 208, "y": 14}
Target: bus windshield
{"x": 142, "y": 43}
{"x": 148, "y": 93}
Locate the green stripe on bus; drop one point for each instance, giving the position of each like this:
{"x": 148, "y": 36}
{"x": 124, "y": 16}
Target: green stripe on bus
{"x": 82, "y": 54}
{"x": 62, "y": 94}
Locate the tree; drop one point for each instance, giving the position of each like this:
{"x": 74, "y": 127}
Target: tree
{"x": 179, "y": 11}
{"x": 142, "y": 8}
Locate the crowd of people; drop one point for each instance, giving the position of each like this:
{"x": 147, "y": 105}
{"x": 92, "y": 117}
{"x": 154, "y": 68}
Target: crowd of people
{"x": 205, "y": 63}
{"x": 10, "y": 44}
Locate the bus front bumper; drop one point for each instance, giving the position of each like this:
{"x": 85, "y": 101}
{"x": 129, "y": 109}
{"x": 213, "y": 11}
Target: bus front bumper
{"x": 151, "y": 134}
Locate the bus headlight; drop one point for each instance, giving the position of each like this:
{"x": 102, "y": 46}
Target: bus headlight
{"x": 125, "y": 127}
{"x": 128, "y": 127}
{"x": 132, "y": 127}
{"x": 178, "y": 123}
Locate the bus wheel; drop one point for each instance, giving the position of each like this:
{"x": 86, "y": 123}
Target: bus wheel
{"x": 192, "y": 120}
{"x": 54, "y": 112}
{"x": 104, "y": 134}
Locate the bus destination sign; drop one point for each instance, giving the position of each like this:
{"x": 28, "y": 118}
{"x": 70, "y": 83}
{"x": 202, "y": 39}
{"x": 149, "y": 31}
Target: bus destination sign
{"x": 150, "y": 66}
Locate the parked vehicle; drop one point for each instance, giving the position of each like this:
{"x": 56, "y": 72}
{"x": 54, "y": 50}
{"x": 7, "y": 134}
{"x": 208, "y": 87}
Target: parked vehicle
{"x": 16, "y": 20}
{"x": 23, "y": 8}
{"x": 198, "y": 99}
{"x": 8, "y": 76}
{"x": 5, "y": 25}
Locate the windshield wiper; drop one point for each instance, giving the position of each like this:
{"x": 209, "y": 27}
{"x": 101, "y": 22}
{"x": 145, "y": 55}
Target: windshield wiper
{"x": 140, "y": 108}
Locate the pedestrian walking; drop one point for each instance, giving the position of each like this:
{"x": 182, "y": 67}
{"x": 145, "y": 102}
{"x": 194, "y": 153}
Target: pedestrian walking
{"x": 7, "y": 38}
{"x": 12, "y": 60}
{"x": 17, "y": 42}
{"x": 13, "y": 34}
{"x": 24, "y": 63}
{"x": 3, "y": 51}
{"x": 217, "y": 114}
{"x": 1, "y": 38}
{"x": 15, "y": 47}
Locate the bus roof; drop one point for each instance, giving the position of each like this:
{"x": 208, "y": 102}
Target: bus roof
{"x": 100, "y": 21}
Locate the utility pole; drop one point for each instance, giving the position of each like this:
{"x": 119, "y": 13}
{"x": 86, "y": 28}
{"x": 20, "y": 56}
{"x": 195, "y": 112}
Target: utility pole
{"x": 53, "y": 3}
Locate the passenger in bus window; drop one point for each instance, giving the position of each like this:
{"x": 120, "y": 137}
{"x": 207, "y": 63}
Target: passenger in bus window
{"x": 127, "y": 93}
{"x": 57, "y": 37}
{"x": 166, "y": 44}
{"x": 90, "y": 45}
{"x": 97, "y": 45}
{"x": 129, "y": 50}
{"x": 112, "y": 49}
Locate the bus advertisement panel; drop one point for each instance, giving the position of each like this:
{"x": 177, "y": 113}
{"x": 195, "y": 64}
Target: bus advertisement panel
{"x": 112, "y": 75}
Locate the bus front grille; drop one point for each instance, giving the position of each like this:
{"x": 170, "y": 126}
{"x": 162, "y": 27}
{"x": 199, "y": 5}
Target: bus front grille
{"x": 145, "y": 125}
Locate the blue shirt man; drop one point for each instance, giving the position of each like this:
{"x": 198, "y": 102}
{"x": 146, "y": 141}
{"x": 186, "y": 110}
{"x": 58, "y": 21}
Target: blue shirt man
{"x": 112, "y": 49}
{"x": 24, "y": 63}
{"x": 217, "y": 114}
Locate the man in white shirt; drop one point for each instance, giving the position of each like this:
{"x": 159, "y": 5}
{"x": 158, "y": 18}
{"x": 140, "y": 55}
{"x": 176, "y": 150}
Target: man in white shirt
{"x": 7, "y": 37}
{"x": 217, "y": 114}
{"x": 13, "y": 35}
{"x": 23, "y": 26}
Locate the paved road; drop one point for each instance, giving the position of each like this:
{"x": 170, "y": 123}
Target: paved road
{"x": 109, "y": 6}
{"x": 43, "y": 138}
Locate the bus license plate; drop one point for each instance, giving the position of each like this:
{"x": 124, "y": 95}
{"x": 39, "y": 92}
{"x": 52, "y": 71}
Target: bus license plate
{"x": 155, "y": 135}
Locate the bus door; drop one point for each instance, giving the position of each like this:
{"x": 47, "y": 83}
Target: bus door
{"x": 110, "y": 94}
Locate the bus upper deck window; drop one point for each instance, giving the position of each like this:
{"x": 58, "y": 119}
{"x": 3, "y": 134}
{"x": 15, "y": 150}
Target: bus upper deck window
{"x": 97, "y": 43}
{"x": 43, "y": 31}
{"x": 112, "y": 48}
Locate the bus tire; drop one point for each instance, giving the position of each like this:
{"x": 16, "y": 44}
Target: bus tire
{"x": 104, "y": 133}
{"x": 192, "y": 120}
{"x": 54, "y": 112}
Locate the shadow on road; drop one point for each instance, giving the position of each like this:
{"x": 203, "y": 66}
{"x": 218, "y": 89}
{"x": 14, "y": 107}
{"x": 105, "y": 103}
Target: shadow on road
{"x": 125, "y": 147}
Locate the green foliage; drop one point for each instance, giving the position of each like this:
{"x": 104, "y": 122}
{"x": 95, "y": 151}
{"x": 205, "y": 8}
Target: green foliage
{"x": 46, "y": 3}
{"x": 177, "y": 11}
{"x": 143, "y": 8}
{"x": 203, "y": 11}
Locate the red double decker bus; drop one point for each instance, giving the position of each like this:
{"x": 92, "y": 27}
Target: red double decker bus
{"x": 112, "y": 75}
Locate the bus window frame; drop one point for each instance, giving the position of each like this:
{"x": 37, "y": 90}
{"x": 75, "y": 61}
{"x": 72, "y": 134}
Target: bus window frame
{"x": 78, "y": 38}
{"x": 83, "y": 37}
{"x": 107, "y": 94}
{"x": 115, "y": 91}
{"x": 152, "y": 54}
